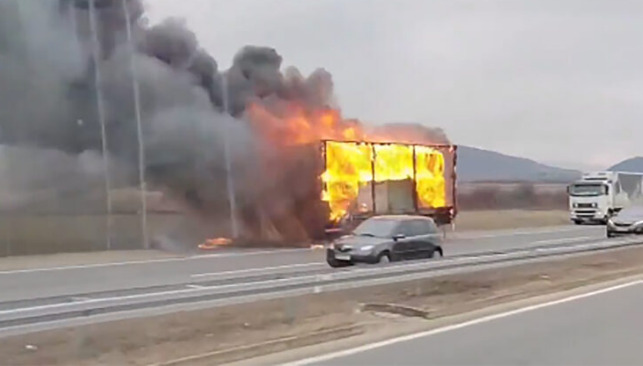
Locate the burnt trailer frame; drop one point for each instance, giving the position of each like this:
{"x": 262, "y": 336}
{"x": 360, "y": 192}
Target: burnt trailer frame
{"x": 442, "y": 215}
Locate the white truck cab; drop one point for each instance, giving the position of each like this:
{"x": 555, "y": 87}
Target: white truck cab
{"x": 598, "y": 195}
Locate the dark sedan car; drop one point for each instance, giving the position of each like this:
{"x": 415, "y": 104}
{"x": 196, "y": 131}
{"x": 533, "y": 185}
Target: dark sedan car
{"x": 387, "y": 238}
{"x": 628, "y": 221}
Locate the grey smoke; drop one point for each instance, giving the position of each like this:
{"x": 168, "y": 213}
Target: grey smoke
{"x": 47, "y": 100}
{"x": 38, "y": 57}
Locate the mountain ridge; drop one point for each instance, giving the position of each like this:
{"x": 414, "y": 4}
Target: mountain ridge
{"x": 633, "y": 164}
{"x": 477, "y": 164}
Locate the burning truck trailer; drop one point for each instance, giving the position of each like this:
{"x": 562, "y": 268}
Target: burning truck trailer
{"x": 324, "y": 189}
{"x": 362, "y": 179}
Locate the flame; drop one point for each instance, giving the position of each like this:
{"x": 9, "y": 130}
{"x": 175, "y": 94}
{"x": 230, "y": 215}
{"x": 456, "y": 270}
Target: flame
{"x": 349, "y": 164}
{"x": 293, "y": 124}
{"x": 214, "y": 243}
{"x": 430, "y": 183}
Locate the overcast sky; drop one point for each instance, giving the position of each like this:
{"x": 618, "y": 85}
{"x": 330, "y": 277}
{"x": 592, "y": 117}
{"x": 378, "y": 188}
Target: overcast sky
{"x": 560, "y": 81}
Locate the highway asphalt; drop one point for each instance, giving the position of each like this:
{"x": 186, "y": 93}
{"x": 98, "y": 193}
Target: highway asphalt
{"x": 64, "y": 281}
{"x": 605, "y": 328}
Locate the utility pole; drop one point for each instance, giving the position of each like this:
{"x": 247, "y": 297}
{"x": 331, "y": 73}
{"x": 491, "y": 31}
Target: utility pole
{"x": 139, "y": 126}
{"x": 228, "y": 159}
{"x": 100, "y": 107}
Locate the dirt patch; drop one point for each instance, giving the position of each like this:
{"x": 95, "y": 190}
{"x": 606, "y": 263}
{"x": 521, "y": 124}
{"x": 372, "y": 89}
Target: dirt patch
{"x": 156, "y": 339}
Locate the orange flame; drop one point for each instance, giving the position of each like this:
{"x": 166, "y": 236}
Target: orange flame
{"x": 349, "y": 164}
{"x": 295, "y": 125}
{"x": 214, "y": 243}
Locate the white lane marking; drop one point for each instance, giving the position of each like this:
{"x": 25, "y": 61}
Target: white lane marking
{"x": 80, "y": 298}
{"x": 484, "y": 319}
{"x": 196, "y": 287}
{"x": 127, "y": 263}
{"x": 458, "y": 259}
{"x": 499, "y": 255}
{"x": 566, "y": 240}
{"x": 259, "y": 269}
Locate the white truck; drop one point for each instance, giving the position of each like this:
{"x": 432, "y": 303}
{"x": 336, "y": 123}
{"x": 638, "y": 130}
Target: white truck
{"x": 598, "y": 195}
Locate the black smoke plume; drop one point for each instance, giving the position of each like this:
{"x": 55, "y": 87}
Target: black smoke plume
{"x": 48, "y": 100}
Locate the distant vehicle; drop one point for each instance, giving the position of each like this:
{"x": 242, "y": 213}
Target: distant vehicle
{"x": 598, "y": 196}
{"x": 627, "y": 221}
{"x": 386, "y": 239}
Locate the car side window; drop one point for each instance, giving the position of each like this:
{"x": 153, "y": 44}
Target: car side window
{"x": 418, "y": 228}
{"x": 405, "y": 228}
{"x": 431, "y": 227}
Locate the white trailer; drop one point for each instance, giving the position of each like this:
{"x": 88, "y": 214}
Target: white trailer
{"x": 598, "y": 195}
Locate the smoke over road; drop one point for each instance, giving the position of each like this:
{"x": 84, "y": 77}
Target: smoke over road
{"x": 48, "y": 101}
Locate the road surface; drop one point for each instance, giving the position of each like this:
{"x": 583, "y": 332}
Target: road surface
{"x": 64, "y": 281}
{"x": 605, "y": 328}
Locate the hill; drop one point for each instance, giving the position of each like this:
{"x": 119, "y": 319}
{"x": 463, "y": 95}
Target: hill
{"x": 634, "y": 164}
{"x": 476, "y": 164}
{"x": 483, "y": 165}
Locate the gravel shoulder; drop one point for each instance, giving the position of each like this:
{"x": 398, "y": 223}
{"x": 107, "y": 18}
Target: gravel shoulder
{"x": 226, "y": 334}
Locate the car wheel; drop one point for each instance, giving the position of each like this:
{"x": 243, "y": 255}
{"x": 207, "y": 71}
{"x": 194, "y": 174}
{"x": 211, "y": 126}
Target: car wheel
{"x": 578, "y": 222}
{"x": 436, "y": 253}
{"x": 384, "y": 257}
{"x": 610, "y": 234}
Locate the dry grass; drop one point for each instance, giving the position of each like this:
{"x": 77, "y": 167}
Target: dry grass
{"x": 46, "y": 234}
{"x": 507, "y": 219}
{"x": 68, "y": 232}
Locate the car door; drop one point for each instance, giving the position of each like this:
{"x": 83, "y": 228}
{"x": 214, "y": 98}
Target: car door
{"x": 414, "y": 234}
{"x": 403, "y": 248}
{"x": 428, "y": 238}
